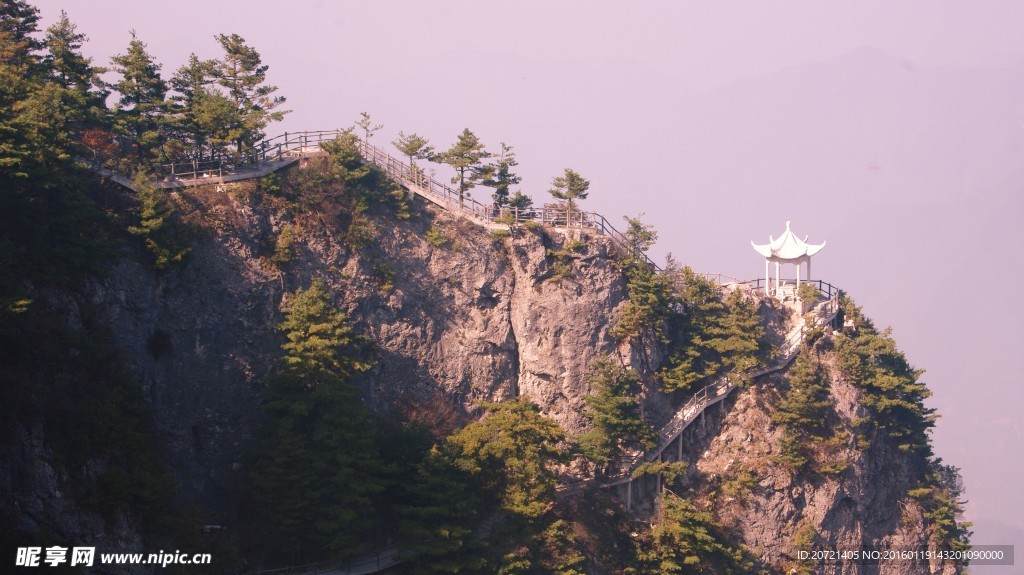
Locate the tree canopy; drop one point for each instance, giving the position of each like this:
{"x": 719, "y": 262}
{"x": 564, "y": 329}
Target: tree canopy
{"x": 501, "y": 177}
{"x": 208, "y": 121}
{"x": 414, "y": 147}
{"x": 316, "y": 465}
{"x": 243, "y": 74}
{"x": 365, "y": 122}
{"x": 570, "y": 187}
{"x": 893, "y": 392}
{"x": 466, "y": 157}
{"x": 613, "y": 409}
{"x": 142, "y": 106}
{"x": 82, "y": 95}
{"x": 685, "y": 540}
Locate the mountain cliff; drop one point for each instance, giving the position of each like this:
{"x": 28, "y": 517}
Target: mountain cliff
{"x": 456, "y": 317}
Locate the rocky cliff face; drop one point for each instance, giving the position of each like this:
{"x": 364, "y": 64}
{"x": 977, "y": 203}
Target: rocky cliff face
{"x": 466, "y": 316}
{"x": 736, "y": 473}
{"x": 472, "y": 318}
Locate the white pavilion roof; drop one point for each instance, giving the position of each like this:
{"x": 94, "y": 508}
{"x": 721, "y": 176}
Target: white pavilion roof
{"x": 787, "y": 247}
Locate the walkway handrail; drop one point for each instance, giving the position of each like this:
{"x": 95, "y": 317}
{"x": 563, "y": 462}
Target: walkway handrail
{"x": 290, "y": 144}
{"x": 723, "y": 385}
{"x": 829, "y": 290}
{"x": 425, "y": 185}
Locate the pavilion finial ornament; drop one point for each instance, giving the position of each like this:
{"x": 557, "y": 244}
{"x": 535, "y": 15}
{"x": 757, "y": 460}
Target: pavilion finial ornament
{"x": 787, "y": 249}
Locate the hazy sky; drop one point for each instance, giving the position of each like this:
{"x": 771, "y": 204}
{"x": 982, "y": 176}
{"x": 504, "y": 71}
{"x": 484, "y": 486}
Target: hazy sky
{"x": 894, "y": 130}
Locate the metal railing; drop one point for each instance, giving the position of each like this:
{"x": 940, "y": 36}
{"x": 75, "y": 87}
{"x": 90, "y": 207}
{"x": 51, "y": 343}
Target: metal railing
{"x": 824, "y": 287}
{"x": 425, "y": 185}
{"x": 225, "y": 164}
{"x": 722, "y": 279}
{"x": 723, "y": 385}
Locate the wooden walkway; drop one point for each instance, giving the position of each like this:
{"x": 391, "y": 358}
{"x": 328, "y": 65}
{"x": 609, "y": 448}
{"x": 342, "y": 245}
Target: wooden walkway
{"x": 711, "y": 394}
{"x": 425, "y": 186}
{"x": 823, "y": 314}
{"x": 279, "y": 152}
{"x": 282, "y": 151}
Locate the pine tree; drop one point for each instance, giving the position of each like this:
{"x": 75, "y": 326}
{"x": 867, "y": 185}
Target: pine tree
{"x": 569, "y": 187}
{"x": 738, "y": 337}
{"x": 466, "y": 156}
{"x": 520, "y": 201}
{"x": 316, "y": 467}
{"x": 347, "y": 163}
{"x": 142, "y": 107}
{"x": 158, "y": 225}
{"x": 440, "y": 525}
{"x": 320, "y": 342}
{"x": 650, "y": 303}
{"x": 500, "y": 176}
{"x": 686, "y": 540}
{"x": 691, "y": 358}
{"x": 613, "y": 409}
{"x": 651, "y": 295}
{"x": 893, "y": 392}
{"x": 19, "y": 23}
{"x": 195, "y": 124}
{"x": 369, "y": 129}
{"x": 21, "y": 79}
{"x": 713, "y": 338}
{"x": 50, "y": 229}
{"x": 217, "y": 120}
{"x": 81, "y": 93}
{"x": 513, "y": 452}
{"x": 243, "y": 74}
{"x": 414, "y": 147}
{"x": 640, "y": 235}
{"x": 559, "y": 551}
{"x": 804, "y": 409}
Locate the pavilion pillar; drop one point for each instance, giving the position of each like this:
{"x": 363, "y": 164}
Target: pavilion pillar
{"x": 786, "y": 249}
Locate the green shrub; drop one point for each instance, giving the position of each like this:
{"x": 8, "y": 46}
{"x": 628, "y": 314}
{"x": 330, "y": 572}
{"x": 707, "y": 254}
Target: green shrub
{"x": 687, "y": 540}
{"x": 939, "y": 495}
{"x": 270, "y": 184}
{"x": 360, "y": 233}
{"x": 436, "y": 237}
{"x": 833, "y": 468}
{"x": 159, "y": 225}
{"x": 740, "y": 484}
{"x": 808, "y": 293}
{"x": 711, "y": 338}
{"x": 613, "y": 409}
{"x": 283, "y": 250}
{"x": 651, "y": 301}
{"x": 385, "y": 276}
{"x": 892, "y": 393}
{"x": 574, "y": 245}
{"x": 561, "y": 264}
{"x": 791, "y": 455}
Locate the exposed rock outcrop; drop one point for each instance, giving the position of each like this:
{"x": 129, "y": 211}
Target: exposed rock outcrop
{"x": 465, "y": 317}
{"x": 476, "y": 318}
